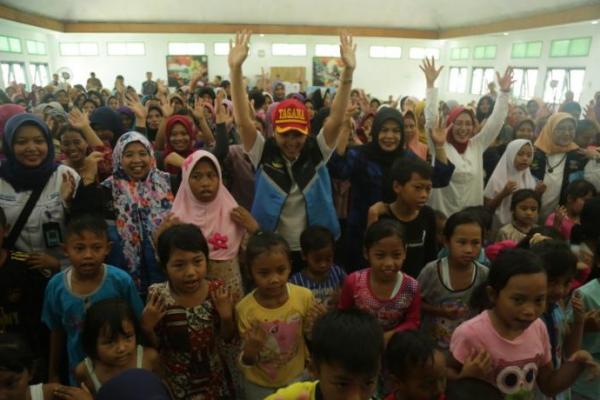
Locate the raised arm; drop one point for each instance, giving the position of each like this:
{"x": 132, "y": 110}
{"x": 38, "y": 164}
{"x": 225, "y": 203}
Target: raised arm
{"x": 238, "y": 52}
{"x": 436, "y": 134}
{"x": 331, "y": 129}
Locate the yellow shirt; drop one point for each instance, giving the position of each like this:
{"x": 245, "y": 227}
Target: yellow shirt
{"x": 295, "y": 390}
{"x": 283, "y": 357}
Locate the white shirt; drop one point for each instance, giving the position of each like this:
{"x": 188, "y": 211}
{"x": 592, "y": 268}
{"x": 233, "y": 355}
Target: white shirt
{"x": 553, "y": 181}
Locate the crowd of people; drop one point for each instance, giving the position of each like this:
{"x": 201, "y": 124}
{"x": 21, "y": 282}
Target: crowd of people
{"x": 221, "y": 241}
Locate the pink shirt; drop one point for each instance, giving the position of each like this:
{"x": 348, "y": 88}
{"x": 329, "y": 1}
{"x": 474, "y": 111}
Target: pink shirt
{"x": 515, "y": 363}
{"x": 565, "y": 227}
{"x": 400, "y": 312}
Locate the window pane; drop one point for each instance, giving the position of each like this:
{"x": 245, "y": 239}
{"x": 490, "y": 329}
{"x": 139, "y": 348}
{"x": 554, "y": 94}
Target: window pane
{"x": 464, "y": 53}
{"x": 19, "y": 73}
{"x": 136, "y": 49}
{"x": 221, "y": 48}
{"x": 5, "y": 77}
{"x": 479, "y": 52}
{"x": 458, "y": 79}
{"x": 327, "y": 50}
{"x": 576, "y": 77}
{"x": 476, "y": 81}
{"x": 32, "y": 47}
{"x": 490, "y": 52}
{"x": 184, "y": 49}
{"x": 431, "y": 52}
{"x": 116, "y": 49}
{"x": 559, "y": 48}
{"x": 488, "y": 77}
{"x": 518, "y": 77}
{"x": 44, "y": 74}
{"x": 286, "y": 49}
{"x": 69, "y": 49}
{"x": 455, "y": 54}
{"x": 177, "y": 49}
{"x": 534, "y": 49}
{"x": 417, "y": 53}
{"x": 377, "y": 51}
{"x": 88, "y": 49}
{"x": 579, "y": 47}
{"x": 4, "y": 43}
{"x": 393, "y": 52}
{"x": 554, "y": 88}
{"x": 14, "y": 44}
{"x": 519, "y": 50}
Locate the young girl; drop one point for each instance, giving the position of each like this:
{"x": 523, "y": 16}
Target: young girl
{"x": 524, "y": 205}
{"x": 508, "y": 340}
{"x": 180, "y": 138}
{"x": 511, "y": 173}
{"x": 272, "y": 319}
{"x": 110, "y": 338}
{"x": 566, "y": 216}
{"x": 188, "y": 316}
{"x": 446, "y": 284}
{"x": 204, "y": 201}
{"x": 383, "y": 290}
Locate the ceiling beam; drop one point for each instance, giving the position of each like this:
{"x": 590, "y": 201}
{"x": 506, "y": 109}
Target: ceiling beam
{"x": 31, "y": 19}
{"x": 568, "y": 16}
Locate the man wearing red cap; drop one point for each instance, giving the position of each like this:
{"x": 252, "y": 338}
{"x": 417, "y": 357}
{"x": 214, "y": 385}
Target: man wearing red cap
{"x": 293, "y": 188}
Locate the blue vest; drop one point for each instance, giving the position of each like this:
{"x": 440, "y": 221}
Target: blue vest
{"x": 273, "y": 185}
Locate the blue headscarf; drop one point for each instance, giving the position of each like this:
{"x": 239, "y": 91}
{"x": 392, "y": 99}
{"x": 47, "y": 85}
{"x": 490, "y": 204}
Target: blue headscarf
{"x": 22, "y": 178}
{"x": 106, "y": 118}
{"x": 134, "y": 384}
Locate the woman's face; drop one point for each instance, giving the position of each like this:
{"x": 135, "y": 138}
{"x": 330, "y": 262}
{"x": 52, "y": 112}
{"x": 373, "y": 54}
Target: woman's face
{"x": 532, "y": 108}
{"x": 30, "y": 146}
{"x": 136, "y": 161}
{"x": 523, "y": 158}
{"x": 564, "y": 133}
{"x": 517, "y": 115}
{"x": 126, "y": 120}
{"x": 525, "y": 131}
{"x": 180, "y": 138}
{"x": 390, "y": 136}
{"x": 484, "y": 106}
{"x": 462, "y": 129}
{"x": 153, "y": 120}
{"x": 176, "y": 104}
{"x": 73, "y": 146}
{"x": 113, "y": 103}
{"x": 89, "y": 107}
{"x": 279, "y": 92}
{"x": 310, "y": 109}
{"x": 62, "y": 97}
{"x": 410, "y": 128}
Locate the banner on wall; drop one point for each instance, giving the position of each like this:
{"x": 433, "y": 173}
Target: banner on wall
{"x": 181, "y": 68}
{"x": 326, "y": 71}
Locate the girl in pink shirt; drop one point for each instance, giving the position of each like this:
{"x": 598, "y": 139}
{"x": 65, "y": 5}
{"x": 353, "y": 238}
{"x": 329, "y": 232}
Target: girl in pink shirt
{"x": 566, "y": 216}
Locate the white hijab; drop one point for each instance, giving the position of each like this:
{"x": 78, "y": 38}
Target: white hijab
{"x": 505, "y": 171}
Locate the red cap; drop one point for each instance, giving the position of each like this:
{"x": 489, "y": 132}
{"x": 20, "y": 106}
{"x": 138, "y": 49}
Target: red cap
{"x": 290, "y": 115}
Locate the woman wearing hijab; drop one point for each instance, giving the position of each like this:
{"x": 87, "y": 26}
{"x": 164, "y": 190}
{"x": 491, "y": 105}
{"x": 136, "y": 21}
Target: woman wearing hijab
{"x": 30, "y": 165}
{"x": 412, "y": 135}
{"x": 107, "y": 125}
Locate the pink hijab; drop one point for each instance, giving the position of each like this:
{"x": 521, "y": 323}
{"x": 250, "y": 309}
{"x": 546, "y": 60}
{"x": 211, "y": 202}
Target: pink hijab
{"x": 223, "y": 235}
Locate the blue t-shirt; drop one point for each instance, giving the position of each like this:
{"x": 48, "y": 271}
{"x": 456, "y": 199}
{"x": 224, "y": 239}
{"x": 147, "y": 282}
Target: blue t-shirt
{"x": 324, "y": 291}
{"x": 66, "y": 310}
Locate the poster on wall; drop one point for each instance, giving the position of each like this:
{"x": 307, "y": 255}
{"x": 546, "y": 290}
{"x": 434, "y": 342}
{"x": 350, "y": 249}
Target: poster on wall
{"x": 181, "y": 68}
{"x": 326, "y": 70}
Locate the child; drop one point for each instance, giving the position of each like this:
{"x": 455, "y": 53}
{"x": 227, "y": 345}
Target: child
{"x": 446, "y": 284}
{"x": 511, "y": 173}
{"x": 440, "y": 222}
{"x": 110, "y": 338}
{"x": 187, "y": 317}
{"x": 321, "y": 275}
{"x": 412, "y": 185}
{"x": 564, "y": 322}
{"x": 417, "y": 370}
{"x": 525, "y": 206}
{"x": 566, "y": 216}
{"x": 272, "y": 319}
{"x": 509, "y": 334}
{"x": 345, "y": 366}
{"x": 383, "y": 290}
{"x": 204, "y": 201}
{"x": 71, "y": 292}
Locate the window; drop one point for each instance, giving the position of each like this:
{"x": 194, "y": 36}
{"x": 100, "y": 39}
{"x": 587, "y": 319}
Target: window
{"x": 526, "y": 50}
{"x": 35, "y": 47}
{"x": 419, "y": 53}
{"x": 561, "y": 80}
{"x": 458, "y": 80}
{"x": 10, "y": 44}
{"x": 187, "y": 49}
{"x": 221, "y": 48}
{"x": 459, "y": 53}
{"x": 39, "y": 74}
{"x": 385, "y": 52}
{"x": 125, "y": 49}
{"x": 579, "y": 47}
{"x": 288, "y": 49}
{"x": 13, "y": 72}
{"x": 480, "y": 79}
{"x": 78, "y": 49}
{"x": 484, "y": 52}
{"x": 525, "y": 80}
{"x": 327, "y": 50}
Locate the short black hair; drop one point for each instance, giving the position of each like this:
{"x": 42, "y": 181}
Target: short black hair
{"x": 408, "y": 350}
{"x": 461, "y": 218}
{"x": 206, "y": 90}
{"x": 225, "y": 83}
{"x": 522, "y": 195}
{"x": 359, "y": 346}
{"x": 70, "y": 128}
{"x": 87, "y": 223}
{"x": 187, "y": 237}
{"x": 15, "y": 354}
{"x": 580, "y": 188}
{"x": 106, "y": 316}
{"x": 404, "y": 167}
{"x": 258, "y": 97}
{"x": 316, "y": 237}
{"x": 557, "y": 258}
{"x": 262, "y": 242}
{"x": 472, "y": 388}
{"x": 382, "y": 229}
{"x": 485, "y": 215}
{"x": 543, "y": 230}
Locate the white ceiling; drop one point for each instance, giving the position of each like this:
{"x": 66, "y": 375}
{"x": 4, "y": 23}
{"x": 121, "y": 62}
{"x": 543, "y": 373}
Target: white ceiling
{"x": 415, "y": 14}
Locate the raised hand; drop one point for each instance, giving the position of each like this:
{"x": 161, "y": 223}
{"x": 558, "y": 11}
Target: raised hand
{"x": 591, "y": 366}
{"x": 67, "y": 187}
{"x": 223, "y": 302}
{"x": 430, "y": 71}
{"x": 314, "y": 313}
{"x": 154, "y": 311}
{"x": 78, "y": 119}
{"x": 348, "y": 50}
{"x": 439, "y": 133}
{"x": 198, "y": 109}
{"x": 90, "y": 166}
{"x": 238, "y": 50}
{"x": 509, "y": 188}
{"x": 242, "y": 217}
{"x": 506, "y": 81}
{"x": 166, "y": 223}
{"x": 363, "y": 102}
{"x": 254, "y": 340}
{"x": 479, "y": 365}
{"x": 590, "y": 112}
{"x": 161, "y": 88}
{"x": 132, "y": 101}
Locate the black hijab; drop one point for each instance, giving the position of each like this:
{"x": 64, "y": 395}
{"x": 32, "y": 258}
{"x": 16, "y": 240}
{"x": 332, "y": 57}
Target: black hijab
{"x": 373, "y": 150}
{"x": 480, "y": 114}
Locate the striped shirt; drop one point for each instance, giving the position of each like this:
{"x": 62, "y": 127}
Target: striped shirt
{"x": 326, "y": 292}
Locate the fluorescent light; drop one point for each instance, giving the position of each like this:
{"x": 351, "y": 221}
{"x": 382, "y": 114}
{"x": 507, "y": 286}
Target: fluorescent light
{"x": 595, "y": 22}
{"x": 505, "y": 33}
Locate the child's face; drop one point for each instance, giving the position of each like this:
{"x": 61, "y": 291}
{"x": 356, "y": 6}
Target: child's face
{"x": 558, "y": 288}
{"x": 270, "y": 272}
{"x": 521, "y": 301}
{"x": 426, "y": 382}
{"x": 179, "y": 138}
{"x": 319, "y": 262}
{"x": 523, "y": 158}
{"x": 337, "y": 383}
{"x": 526, "y": 212}
{"x": 14, "y": 385}
{"x": 386, "y": 257}
{"x": 74, "y": 146}
{"x": 204, "y": 181}
{"x": 118, "y": 350}
{"x": 136, "y": 161}
{"x": 86, "y": 252}
{"x": 576, "y": 204}
{"x": 465, "y": 243}
{"x": 415, "y": 192}
{"x": 186, "y": 270}
{"x": 525, "y": 132}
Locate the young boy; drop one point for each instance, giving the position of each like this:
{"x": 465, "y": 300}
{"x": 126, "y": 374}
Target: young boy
{"x": 87, "y": 281}
{"x": 321, "y": 276}
{"x": 346, "y": 365}
{"x": 412, "y": 185}
{"x": 293, "y": 188}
